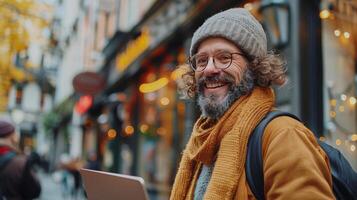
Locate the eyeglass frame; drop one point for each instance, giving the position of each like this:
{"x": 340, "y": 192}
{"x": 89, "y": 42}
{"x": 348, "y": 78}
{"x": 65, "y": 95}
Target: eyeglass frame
{"x": 214, "y": 63}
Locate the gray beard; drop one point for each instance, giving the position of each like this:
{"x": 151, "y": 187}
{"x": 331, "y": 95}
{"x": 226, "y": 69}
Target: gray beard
{"x": 211, "y": 107}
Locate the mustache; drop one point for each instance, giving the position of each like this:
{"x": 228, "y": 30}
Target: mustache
{"x": 201, "y": 82}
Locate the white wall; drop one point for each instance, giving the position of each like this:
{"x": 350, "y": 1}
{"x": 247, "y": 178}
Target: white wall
{"x": 71, "y": 65}
{"x": 131, "y": 11}
{"x": 68, "y": 14}
{"x": 72, "y": 61}
{"x": 31, "y": 98}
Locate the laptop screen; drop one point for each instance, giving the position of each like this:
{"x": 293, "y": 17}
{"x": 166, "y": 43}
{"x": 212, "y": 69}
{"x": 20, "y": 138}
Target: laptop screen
{"x": 101, "y": 185}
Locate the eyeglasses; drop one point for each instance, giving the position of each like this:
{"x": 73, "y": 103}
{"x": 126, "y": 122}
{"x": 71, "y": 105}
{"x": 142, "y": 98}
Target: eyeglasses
{"x": 221, "y": 60}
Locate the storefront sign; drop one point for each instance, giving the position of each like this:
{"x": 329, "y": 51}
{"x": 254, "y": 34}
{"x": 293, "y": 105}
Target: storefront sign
{"x": 153, "y": 86}
{"x": 88, "y": 83}
{"x": 133, "y": 50}
{"x": 83, "y": 104}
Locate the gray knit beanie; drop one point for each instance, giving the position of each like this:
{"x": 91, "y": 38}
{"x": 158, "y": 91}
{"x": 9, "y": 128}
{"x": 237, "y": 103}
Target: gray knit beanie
{"x": 236, "y": 25}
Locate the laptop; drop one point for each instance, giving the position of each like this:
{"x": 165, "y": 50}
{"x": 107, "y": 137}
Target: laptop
{"x": 101, "y": 185}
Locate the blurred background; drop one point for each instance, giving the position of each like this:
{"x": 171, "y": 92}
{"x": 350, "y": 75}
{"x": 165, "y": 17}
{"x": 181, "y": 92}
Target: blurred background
{"x": 91, "y": 83}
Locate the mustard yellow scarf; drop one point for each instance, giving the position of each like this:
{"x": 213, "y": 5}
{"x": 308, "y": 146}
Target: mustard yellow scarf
{"x": 223, "y": 143}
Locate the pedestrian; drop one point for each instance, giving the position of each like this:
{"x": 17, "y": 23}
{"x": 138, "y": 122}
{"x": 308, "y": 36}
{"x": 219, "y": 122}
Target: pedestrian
{"x": 70, "y": 167}
{"x": 232, "y": 74}
{"x": 92, "y": 161}
{"x": 17, "y": 179}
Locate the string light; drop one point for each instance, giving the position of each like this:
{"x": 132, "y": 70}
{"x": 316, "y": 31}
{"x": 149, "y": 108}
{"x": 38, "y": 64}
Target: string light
{"x": 322, "y": 138}
{"x": 337, "y": 33}
{"x": 324, "y": 14}
{"x": 353, "y": 147}
{"x": 144, "y": 128}
{"x": 354, "y": 137}
{"x": 333, "y": 102}
{"x": 338, "y": 142}
{"x": 343, "y": 97}
{"x": 164, "y": 101}
{"x": 346, "y": 35}
{"x": 129, "y": 130}
{"x": 111, "y": 133}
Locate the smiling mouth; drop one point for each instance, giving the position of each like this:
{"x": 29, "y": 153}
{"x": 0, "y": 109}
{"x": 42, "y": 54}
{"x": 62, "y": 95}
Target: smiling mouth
{"x": 215, "y": 85}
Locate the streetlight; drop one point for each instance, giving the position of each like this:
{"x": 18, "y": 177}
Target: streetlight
{"x": 276, "y": 21}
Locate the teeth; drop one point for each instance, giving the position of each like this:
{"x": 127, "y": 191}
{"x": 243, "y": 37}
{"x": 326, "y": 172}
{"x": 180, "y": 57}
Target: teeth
{"x": 214, "y": 85}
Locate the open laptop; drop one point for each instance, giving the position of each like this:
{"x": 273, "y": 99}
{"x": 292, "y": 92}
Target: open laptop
{"x": 101, "y": 185}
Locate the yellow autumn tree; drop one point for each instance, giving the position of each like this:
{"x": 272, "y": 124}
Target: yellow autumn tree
{"x": 21, "y": 21}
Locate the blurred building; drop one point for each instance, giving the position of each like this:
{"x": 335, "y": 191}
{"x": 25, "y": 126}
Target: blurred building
{"x": 31, "y": 88}
{"x": 137, "y": 124}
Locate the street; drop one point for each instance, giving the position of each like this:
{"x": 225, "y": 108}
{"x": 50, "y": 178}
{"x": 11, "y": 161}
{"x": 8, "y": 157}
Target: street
{"x": 52, "y": 190}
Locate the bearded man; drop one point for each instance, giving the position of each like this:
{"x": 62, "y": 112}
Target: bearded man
{"x": 232, "y": 73}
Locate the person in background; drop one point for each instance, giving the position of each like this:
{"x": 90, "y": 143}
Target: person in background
{"x": 231, "y": 76}
{"x": 17, "y": 179}
{"x": 71, "y": 167}
{"x": 92, "y": 161}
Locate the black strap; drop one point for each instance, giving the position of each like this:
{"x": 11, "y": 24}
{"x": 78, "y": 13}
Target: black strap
{"x": 4, "y": 159}
{"x": 254, "y": 161}
{"x": 30, "y": 186}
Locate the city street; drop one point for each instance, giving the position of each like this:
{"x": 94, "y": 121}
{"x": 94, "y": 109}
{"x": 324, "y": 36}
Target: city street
{"x": 51, "y": 188}
{"x": 172, "y": 91}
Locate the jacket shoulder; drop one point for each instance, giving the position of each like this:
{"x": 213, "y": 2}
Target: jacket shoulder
{"x": 294, "y": 162}
{"x": 287, "y": 125}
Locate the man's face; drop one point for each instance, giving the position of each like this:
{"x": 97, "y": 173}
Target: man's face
{"x": 218, "y": 88}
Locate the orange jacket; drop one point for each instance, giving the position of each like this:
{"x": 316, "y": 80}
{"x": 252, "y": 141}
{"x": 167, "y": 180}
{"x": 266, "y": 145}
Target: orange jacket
{"x": 295, "y": 166}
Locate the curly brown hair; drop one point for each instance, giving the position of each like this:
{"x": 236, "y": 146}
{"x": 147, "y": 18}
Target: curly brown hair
{"x": 267, "y": 71}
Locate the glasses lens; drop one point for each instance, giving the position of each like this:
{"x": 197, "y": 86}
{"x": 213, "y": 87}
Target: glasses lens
{"x": 223, "y": 60}
{"x": 199, "y": 62}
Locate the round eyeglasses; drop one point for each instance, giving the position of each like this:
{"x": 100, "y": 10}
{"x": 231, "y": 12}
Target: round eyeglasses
{"x": 221, "y": 60}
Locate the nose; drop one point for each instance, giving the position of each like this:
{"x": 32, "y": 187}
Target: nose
{"x": 211, "y": 68}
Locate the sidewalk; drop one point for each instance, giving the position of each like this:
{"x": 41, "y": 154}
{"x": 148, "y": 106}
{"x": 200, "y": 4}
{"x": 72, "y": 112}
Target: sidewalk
{"x": 51, "y": 189}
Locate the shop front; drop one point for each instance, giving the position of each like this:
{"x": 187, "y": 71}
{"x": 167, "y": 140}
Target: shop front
{"x": 153, "y": 116}
{"x": 339, "y": 47}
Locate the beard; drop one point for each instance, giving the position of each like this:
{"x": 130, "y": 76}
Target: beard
{"x": 210, "y": 106}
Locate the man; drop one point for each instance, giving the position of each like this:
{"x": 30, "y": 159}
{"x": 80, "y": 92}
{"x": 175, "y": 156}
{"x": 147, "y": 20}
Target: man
{"x": 17, "y": 180}
{"x": 232, "y": 74}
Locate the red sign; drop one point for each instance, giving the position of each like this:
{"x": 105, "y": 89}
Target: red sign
{"x": 83, "y": 104}
{"x": 88, "y": 83}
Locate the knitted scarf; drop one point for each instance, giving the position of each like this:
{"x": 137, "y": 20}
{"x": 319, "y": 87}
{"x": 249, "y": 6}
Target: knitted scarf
{"x": 224, "y": 143}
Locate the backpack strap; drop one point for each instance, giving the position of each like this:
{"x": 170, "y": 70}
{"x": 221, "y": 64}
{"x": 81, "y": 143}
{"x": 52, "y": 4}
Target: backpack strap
{"x": 254, "y": 161}
{"x": 7, "y": 157}
{"x": 4, "y": 160}
{"x": 30, "y": 185}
